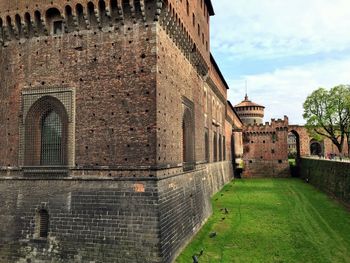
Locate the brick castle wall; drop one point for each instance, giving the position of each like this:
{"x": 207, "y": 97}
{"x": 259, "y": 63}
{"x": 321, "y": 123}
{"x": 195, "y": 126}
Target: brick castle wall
{"x": 266, "y": 149}
{"x": 110, "y": 220}
{"x": 125, "y": 196}
{"x": 329, "y": 176}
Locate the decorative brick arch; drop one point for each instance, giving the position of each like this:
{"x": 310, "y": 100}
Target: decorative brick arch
{"x": 34, "y": 130}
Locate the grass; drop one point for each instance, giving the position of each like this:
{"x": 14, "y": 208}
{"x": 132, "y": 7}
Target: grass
{"x": 273, "y": 220}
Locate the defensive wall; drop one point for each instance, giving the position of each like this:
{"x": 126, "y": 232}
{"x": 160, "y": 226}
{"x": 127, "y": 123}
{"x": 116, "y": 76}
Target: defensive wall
{"x": 140, "y": 109}
{"x": 265, "y": 149}
{"x": 332, "y": 177}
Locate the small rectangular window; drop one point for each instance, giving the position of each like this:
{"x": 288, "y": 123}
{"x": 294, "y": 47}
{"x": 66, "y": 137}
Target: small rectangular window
{"x": 57, "y": 27}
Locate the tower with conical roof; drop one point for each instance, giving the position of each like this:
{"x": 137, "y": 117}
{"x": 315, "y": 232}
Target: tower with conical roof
{"x": 250, "y": 112}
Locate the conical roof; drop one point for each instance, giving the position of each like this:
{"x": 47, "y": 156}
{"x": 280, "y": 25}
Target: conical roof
{"x": 248, "y": 103}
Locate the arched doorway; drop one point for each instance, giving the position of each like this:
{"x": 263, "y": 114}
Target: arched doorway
{"x": 316, "y": 148}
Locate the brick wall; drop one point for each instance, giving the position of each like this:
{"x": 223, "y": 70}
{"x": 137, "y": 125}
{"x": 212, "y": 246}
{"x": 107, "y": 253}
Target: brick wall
{"x": 266, "y": 149}
{"x": 329, "y": 176}
{"x": 110, "y": 220}
{"x": 125, "y": 196}
{"x": 88, "y": 221}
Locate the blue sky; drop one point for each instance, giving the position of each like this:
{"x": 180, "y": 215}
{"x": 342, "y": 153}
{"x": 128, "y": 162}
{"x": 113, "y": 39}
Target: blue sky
{"x": 284, "y": 49}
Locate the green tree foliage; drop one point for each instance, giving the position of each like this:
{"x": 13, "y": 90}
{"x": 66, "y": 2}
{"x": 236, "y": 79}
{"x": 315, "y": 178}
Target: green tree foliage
{"x": 327, "y": 113}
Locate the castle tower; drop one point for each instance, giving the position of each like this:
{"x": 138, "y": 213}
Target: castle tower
{"x": 250, "y": 112}
{"x": 113, "y": 129}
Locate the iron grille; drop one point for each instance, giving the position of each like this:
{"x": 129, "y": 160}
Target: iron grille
{"x": 43, "y": 224}
{"x": 51, "y": 139}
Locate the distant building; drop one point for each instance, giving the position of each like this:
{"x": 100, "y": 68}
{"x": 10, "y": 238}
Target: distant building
{"x": 267, "y": 146}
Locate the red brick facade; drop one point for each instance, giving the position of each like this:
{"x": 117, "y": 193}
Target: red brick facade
{"x": 266, "y": 149}
{"x": 145, "y": 132}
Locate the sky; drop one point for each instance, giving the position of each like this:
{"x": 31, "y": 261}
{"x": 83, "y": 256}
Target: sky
{"x": 283, "y": 49}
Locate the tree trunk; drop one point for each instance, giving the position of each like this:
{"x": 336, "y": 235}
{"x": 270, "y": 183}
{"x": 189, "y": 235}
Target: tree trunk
{"x": 338, "y": 144}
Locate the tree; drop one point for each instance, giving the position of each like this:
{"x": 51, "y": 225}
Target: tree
{"x": 327, "y": 113}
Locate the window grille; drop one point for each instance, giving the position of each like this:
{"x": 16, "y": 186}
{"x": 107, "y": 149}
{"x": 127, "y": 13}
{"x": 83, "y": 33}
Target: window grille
{"x": 42, "y": 223}
{"x": 51, "y": 139}
{"x": 46, "y": 133}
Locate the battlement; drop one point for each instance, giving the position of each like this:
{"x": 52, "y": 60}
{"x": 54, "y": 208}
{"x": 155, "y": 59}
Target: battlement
{"x": 26, "y": 20}
{"x": 269, "y": 127}
{"x": 20, "y": 21}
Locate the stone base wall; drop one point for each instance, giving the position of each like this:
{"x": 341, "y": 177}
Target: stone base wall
{"x": 263, "y": 168}
{"x": 107, "y": 219}
{"x": 330, "y": 177}
{"x": 184, "y": 204}
{"x": 100, "y": 221}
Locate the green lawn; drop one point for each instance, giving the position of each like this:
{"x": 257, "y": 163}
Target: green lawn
{"x": 273, "y": 220}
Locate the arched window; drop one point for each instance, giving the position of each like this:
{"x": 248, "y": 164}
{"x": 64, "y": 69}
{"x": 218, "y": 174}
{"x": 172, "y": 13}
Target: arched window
{"x": 51, "y": 139}
{"x": 18, "y": 22}
{"x": 206, "y": 144}
{"x": 215, "y": 147}
{"x": 102, "y": 12}
{"x": 46, "y": 133}
{"x": 79, "y": 9}
{"x": 224, "y": 147}
{"x": 55, "y": 21}
{"x": 188, "y": 140}
{"x": 205, "y": 101}
{"x": 220, "y": 148}
{"x": 42, "y": 223}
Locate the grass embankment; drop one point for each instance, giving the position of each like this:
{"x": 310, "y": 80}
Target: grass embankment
{"x": 273, "y": 220}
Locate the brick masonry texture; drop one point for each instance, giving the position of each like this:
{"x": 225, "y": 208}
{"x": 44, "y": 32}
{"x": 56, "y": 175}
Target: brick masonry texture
{"x": 130, "y": 69}
{"x": 328, "y": 176}
{"x": 110, "y": 220}
{"x": 266, "y": 149}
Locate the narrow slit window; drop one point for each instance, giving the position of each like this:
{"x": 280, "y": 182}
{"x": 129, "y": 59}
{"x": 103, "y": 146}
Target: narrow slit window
{"x": 42, "y": 227}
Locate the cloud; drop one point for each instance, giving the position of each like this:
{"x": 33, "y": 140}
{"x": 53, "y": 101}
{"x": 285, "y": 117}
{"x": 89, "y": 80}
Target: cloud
{"x": 279, "y": 28}
{"x": 284, "y": 90}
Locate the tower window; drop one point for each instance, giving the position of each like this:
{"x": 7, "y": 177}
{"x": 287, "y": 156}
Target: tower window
{"x": 57, "y": 27}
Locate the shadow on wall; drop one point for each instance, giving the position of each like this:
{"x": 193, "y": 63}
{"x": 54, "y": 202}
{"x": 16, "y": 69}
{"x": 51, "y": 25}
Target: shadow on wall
{"x": 329, "y": 176}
